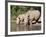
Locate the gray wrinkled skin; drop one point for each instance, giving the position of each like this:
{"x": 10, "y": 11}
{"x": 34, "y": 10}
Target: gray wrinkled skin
{"x": 33, "y": 16}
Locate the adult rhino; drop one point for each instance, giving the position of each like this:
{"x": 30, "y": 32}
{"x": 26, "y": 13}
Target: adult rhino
{"x": 33, "y": 16}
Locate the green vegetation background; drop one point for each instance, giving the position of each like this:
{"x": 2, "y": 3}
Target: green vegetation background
{"x": 16, "y": 10}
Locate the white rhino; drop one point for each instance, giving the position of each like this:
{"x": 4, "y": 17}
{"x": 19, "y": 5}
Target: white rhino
{"x": 33, "y": 15}
{"x": 22, "y": 19}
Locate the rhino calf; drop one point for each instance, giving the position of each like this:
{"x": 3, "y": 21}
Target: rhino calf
{"x": 22, "y": 20}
